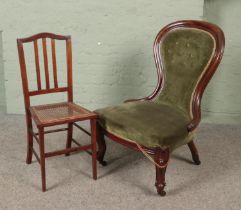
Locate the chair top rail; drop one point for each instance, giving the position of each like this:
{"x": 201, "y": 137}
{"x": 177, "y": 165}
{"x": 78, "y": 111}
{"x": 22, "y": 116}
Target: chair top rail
{"x": 43, "y": 35}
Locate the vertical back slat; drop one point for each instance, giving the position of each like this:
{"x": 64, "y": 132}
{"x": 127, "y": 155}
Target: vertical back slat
{"x": 54, "y": 63}
{"x": 69, "y": 68}
{"x": 45, "y": 55}
{"x": 23, "y": 75}
{"x": 37, "y": 64}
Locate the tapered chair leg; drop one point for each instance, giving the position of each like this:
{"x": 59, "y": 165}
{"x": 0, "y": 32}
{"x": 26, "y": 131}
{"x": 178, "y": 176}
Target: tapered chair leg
{"x": 101, "y": 145}
{"x": 29, "y": 139}
{"x": 42, "y": 158}
{"x": 69, "y": 136}
{"x": 161, "y": 158}
{"x": 93, "y": 143}
{"x": 195, "y": 155}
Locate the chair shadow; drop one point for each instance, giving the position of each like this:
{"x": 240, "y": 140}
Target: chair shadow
{"x": 181, "y": 158}
{"x": 120, "y": 162}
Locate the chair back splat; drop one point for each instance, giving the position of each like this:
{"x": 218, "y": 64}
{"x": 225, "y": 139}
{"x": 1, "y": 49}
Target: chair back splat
{"x": 52, "y": 114}
{"x": 49, "y": 88}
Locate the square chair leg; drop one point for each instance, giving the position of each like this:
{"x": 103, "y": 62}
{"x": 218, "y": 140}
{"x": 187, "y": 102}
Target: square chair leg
{"x": 29, "y": 139}
{"x": 69, "y": 136}
{"x": 42, "y": 158}
{"x": 93, "y": 147}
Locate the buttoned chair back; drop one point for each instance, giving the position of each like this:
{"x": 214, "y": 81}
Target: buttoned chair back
{"x": 186, "y": 54}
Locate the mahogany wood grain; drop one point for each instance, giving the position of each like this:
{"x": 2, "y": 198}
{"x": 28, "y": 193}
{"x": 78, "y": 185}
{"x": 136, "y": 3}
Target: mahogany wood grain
{"x": 69, "y": 68}
{"x": 29, "y": 138}
{"x": 77, "y": 143}
{"x": 68, "y": 150}
{"x": 69, "y": 136}
{"x": 85, "y": 131}
{"x": 38, "y": 75}
{"x": 194, "y": 152}
{"x": 52, "y": 90}
{"x": 46, "y": 68}
{"x": 161, "y": 157}
{"x": 54, "y": 63}
{"x": 36, "y": 155}
{"x": 93, "y": 147}
{"x": 44, "y": 35}
{"x": 42, "y": 158}
{"x": 101, "y": 145}
{"x": 52, "y": 114}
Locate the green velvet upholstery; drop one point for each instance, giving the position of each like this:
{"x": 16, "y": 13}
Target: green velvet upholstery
{"x": 148, "y": 123}
{"x": 185, "y": 53}
{"x": 163, "y": 122}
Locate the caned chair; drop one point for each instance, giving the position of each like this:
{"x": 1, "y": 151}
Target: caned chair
{"x": 186, "y": 54}
{"x": 56, "y": 113}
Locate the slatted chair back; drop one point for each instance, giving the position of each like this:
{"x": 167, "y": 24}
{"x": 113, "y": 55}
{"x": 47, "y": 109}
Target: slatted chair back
{"x": 49, "y": 88}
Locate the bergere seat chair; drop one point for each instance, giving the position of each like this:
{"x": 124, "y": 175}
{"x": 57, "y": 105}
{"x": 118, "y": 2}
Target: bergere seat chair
{"x": 56, "y": 113}
{"x": 186, "y": 54}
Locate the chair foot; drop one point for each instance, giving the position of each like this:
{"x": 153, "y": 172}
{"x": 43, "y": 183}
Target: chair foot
{"x": 160, "y": 189}
{"x": 29, "y": 157}
{"x": 194, "y": 152}
{"x": 28, "y": 161}
{"x": 102, "y": 162}
{"x": 161, "y": 157}
{"x": 29, "y": 150}
{"x": 162, "y": 193}
{"x": 196, "y": 160}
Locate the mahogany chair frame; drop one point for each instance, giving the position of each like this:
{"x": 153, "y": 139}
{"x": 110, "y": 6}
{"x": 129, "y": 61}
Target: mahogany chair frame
{"x": 160, "y": 156}
{"x": 70, "y": 121}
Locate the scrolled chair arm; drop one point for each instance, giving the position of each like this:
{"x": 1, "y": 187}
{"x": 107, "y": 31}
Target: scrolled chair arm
{"x": 196, "y": 118}
{"x": 192, "y": 125}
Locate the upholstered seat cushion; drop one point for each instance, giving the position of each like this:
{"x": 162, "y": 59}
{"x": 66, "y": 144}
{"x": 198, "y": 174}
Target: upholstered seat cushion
{"x": 151, "y": 124}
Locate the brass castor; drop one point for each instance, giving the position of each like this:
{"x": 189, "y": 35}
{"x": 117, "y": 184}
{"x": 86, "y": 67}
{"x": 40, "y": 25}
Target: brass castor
{"x": 162, "y": 193}
{"x": 102, "y": 162}
{"x": 160, "y": 189}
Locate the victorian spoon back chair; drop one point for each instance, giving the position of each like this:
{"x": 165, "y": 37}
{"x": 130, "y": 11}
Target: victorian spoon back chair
{"x": 186, "y": 54}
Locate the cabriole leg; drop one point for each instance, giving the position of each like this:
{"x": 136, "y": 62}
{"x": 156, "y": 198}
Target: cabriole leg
{"x": 101, "y": 145}
{"x": 161, "y": 157}
{"x": 195, "y": 155}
